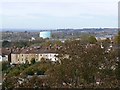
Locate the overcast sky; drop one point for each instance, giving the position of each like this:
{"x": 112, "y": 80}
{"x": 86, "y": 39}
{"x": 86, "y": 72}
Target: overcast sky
{"x": 53, "y": 14}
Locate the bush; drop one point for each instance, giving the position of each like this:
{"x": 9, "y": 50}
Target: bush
{"x": 40, "y": 72}
{"x": 33, "y": 61}
{"x": 5, "y": 65}
{"x": 14, "y": 72}
{"x": 30, "y": 73}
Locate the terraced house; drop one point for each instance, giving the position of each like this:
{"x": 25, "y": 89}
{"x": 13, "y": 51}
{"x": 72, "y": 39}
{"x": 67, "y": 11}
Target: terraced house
{"x": 19, "y": 56}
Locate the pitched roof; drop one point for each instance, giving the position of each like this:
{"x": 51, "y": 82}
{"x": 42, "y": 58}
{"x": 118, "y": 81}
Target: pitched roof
{"x": 33, "y": 50}
{"x": 5, "y": 51}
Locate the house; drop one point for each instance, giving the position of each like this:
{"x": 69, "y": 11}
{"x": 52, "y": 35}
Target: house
{"x": 5, "y": 54}
{"x": 0, "y": 58}
{"x": 19, "y": 56}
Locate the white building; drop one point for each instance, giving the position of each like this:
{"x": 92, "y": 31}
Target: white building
{"x": 22, "y": 58}
{"x": 5, "y": 54}
{"x": 0, "y": 58}
{"x": 5, "y": 58}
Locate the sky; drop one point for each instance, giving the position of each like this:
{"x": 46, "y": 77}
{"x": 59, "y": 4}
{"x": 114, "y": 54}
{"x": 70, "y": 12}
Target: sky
{"x": 58, "y": 14}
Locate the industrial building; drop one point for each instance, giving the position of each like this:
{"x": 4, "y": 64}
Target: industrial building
{"x": 45, "y": 34}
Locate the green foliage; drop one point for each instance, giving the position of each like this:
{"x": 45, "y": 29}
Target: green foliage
{"x": 9, "y": 83}
{"x": 82, "y": 66}
{"x": 117, "y": 71}
{"x": 21, "y": 44}
{"x": 14, "y": 72}
{"x": 30, "y": 72}
{"x": 59, "y": 43}
{"x": 92, "y": 40}
{"x": 106, "y": 42}
{"x": 117, "y": 39}
{"x": 5, "y": 65}
{"x": 88, "y": 39}
{"x": 39, "y": 68}
{"x": 37, "y": 42}
{"x": 40, "y": 72}
{"x": 43, "y": 60}
{"x": 6, "y": 44}
{"x": 33, "y": 61}
{"x": 48, "y": 43}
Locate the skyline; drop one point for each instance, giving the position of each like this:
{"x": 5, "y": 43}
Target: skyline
{"x": 51, "y": 14}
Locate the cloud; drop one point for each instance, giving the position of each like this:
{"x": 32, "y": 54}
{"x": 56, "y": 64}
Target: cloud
{"x": 58, "y": 9}
{"x": 14, "y": 12}
{"x": 87, "y": 1}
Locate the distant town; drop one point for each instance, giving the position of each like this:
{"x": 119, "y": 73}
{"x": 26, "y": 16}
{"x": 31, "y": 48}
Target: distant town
{"x": 26, "y": 35}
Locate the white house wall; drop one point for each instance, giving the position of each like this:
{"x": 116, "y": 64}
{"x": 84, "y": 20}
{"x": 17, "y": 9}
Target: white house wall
{"x": 21, "y": 58}
{"x": 0, "y": 58}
